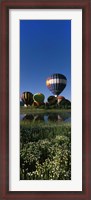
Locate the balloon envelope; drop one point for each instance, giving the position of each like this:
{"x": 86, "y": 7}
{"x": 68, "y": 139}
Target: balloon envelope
{"x": 56, "y": 83}
{"x": 60, "y": 98}
{"x": 65, "y": 103}
{"x": 27, "y": 98}
{"x": 36, "y": 103}
{"x": 52, "y": 100}
{"x": 39, "y": 97}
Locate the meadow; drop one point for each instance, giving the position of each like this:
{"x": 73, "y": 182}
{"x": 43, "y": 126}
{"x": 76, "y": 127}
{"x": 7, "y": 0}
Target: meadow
{"x": 45, "y": 148}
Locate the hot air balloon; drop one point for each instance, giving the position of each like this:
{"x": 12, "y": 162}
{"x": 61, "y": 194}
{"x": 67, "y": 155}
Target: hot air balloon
{"x": 59, "y": 99}
{"x": 56, "y": 83}
{"x": 52, "y": 100}
{"x": 65, "y": 103}
{"x": 27, "y": 98}
{"x": 35, "y": 103}
{"x": 39, "y": 97}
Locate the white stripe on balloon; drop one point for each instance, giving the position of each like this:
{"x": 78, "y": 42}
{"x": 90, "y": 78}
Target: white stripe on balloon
{"x": 52, "y": 81}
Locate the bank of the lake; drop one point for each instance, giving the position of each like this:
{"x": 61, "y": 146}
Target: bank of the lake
{"x": 30, "y": 109}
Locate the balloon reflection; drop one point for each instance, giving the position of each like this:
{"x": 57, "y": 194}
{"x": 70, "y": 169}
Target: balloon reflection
{"x": 55, "y": 117}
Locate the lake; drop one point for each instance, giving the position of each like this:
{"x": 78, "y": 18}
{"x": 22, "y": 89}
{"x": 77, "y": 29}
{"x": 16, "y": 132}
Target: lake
{"x": 46, "y": 117}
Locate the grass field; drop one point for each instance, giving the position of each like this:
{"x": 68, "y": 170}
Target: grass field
{"x": 45, "y": 148}
{"x": 30, "y": 109}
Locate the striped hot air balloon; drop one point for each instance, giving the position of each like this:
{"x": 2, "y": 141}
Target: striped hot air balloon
{"x": 27, "y": 98}
{"x": 56, "y": 83}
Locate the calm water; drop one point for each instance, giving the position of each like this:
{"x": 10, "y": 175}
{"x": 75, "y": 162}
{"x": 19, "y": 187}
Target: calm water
{"x": 46, "y": 117}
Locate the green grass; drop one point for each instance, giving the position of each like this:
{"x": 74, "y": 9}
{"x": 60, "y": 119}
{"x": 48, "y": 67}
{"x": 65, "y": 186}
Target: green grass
{"x": 38, "y": 131}
{"x": 45, "y": 151}
{"x": 31, "y": 110}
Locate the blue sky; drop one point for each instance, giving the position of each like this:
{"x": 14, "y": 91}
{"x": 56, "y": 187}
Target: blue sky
{"x": 45, "y": 49}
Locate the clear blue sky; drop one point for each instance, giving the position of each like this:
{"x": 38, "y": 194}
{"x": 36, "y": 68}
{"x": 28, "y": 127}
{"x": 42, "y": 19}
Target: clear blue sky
{"x": 45, "y": 49}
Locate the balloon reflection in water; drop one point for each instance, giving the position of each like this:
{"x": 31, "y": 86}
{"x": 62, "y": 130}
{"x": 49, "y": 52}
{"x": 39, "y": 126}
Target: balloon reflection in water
{"x": 29, "y": 117}
{"x": 43, "y": 117}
